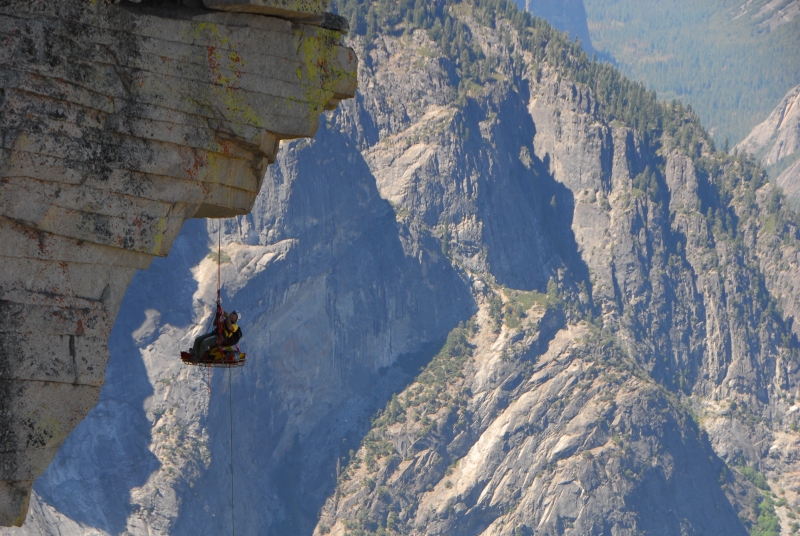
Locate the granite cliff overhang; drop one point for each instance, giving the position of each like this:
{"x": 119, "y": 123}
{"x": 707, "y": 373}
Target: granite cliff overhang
{"x": 119, "y": 121}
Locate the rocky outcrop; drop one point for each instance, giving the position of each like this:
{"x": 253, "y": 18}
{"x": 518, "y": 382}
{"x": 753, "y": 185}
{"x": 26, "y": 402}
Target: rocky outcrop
{"x": 776, "y": 143}
{"x": 543, "y": 433}
{"x": 770, "y": 14}
{"x": 118, "y": 123}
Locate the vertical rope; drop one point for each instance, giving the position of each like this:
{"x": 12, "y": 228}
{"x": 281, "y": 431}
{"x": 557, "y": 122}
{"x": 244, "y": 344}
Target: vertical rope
{"x": 233, "y": 504}
{"x": 219, "y": 260}
{"x": 219, "y": 311}
{"x": 219, "y": 284}
{"x": 230, "y": 370}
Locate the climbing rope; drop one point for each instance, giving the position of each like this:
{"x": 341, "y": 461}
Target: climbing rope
{"x": 219, "y": 283}
{"x": 233, "y": 508}
{"x": 211, "y": 322}
{"x": 230, "y": 372}
{"x": 219, "y": 301}
{"x": 219, "y": 266}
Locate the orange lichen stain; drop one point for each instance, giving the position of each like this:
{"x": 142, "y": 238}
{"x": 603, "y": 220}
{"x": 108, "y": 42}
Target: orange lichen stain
{"x": 193, "y": 170}
{"x": 225, "y": 70}
{"x": 223, "y": 145}
{"x": 213, "y": 64}
{"x": 196, "y": 165}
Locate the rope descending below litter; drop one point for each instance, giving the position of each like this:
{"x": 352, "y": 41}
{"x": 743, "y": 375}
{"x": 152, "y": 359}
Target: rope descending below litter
{"x": 230, "y": 373}
{"x": 233, "y": 508}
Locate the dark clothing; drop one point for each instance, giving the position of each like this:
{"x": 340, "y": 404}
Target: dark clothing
{"x": 229, "y": 338}
{"x": 232, "y": 338}
{"x": 204, "y": 342}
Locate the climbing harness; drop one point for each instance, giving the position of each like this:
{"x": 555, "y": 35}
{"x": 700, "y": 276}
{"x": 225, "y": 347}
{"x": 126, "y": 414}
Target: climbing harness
{"x": 218, "y": 356}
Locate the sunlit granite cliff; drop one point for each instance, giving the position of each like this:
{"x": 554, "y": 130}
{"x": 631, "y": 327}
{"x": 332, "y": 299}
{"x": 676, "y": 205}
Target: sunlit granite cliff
{"x": 776, "y": 143}
{"x": 118, "y": 122}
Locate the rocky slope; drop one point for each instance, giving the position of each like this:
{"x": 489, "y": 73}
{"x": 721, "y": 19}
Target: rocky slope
{"x": 534, "y": 435}
{"x": 770, "y": 14}
{"x": 500, "y": 292}
{"x": 676, "y": 248}
{"x": 776, "y": 143}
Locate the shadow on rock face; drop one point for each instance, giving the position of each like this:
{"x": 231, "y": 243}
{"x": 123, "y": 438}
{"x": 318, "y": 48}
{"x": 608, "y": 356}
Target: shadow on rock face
{"x": 526, "y": 212}
{"x": 107, "y": 455}
{"x": 661, "y": 501}
{"x": 324, "y": 326}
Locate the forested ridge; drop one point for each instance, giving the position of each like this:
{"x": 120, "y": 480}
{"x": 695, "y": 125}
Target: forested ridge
{"x": 619, "y": 97}
{"x": 729, "y": 200}
{"x": 721, "y": 56}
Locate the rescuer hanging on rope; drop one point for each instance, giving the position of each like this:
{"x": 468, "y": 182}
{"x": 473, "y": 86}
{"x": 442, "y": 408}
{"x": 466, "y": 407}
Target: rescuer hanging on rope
{"x": 231, "y": 334}
{"x": 219, "y": 346}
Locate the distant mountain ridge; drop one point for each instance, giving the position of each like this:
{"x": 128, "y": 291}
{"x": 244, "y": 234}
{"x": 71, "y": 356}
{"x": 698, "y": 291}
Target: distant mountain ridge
{"x": 732, "y": 60}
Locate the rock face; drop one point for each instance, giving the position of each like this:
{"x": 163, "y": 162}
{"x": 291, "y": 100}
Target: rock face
{"x": 118, "y": 123}
{"x": 472, "y": 307}
{"x": 770, "y": 14}
{"x": 550, "y": 440}
{"x": 776, "y": 143}
{"x": 529, "y": 426}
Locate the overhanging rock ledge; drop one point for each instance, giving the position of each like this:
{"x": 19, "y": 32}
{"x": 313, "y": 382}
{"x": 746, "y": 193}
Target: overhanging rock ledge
{"x": 118, "y": 121}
